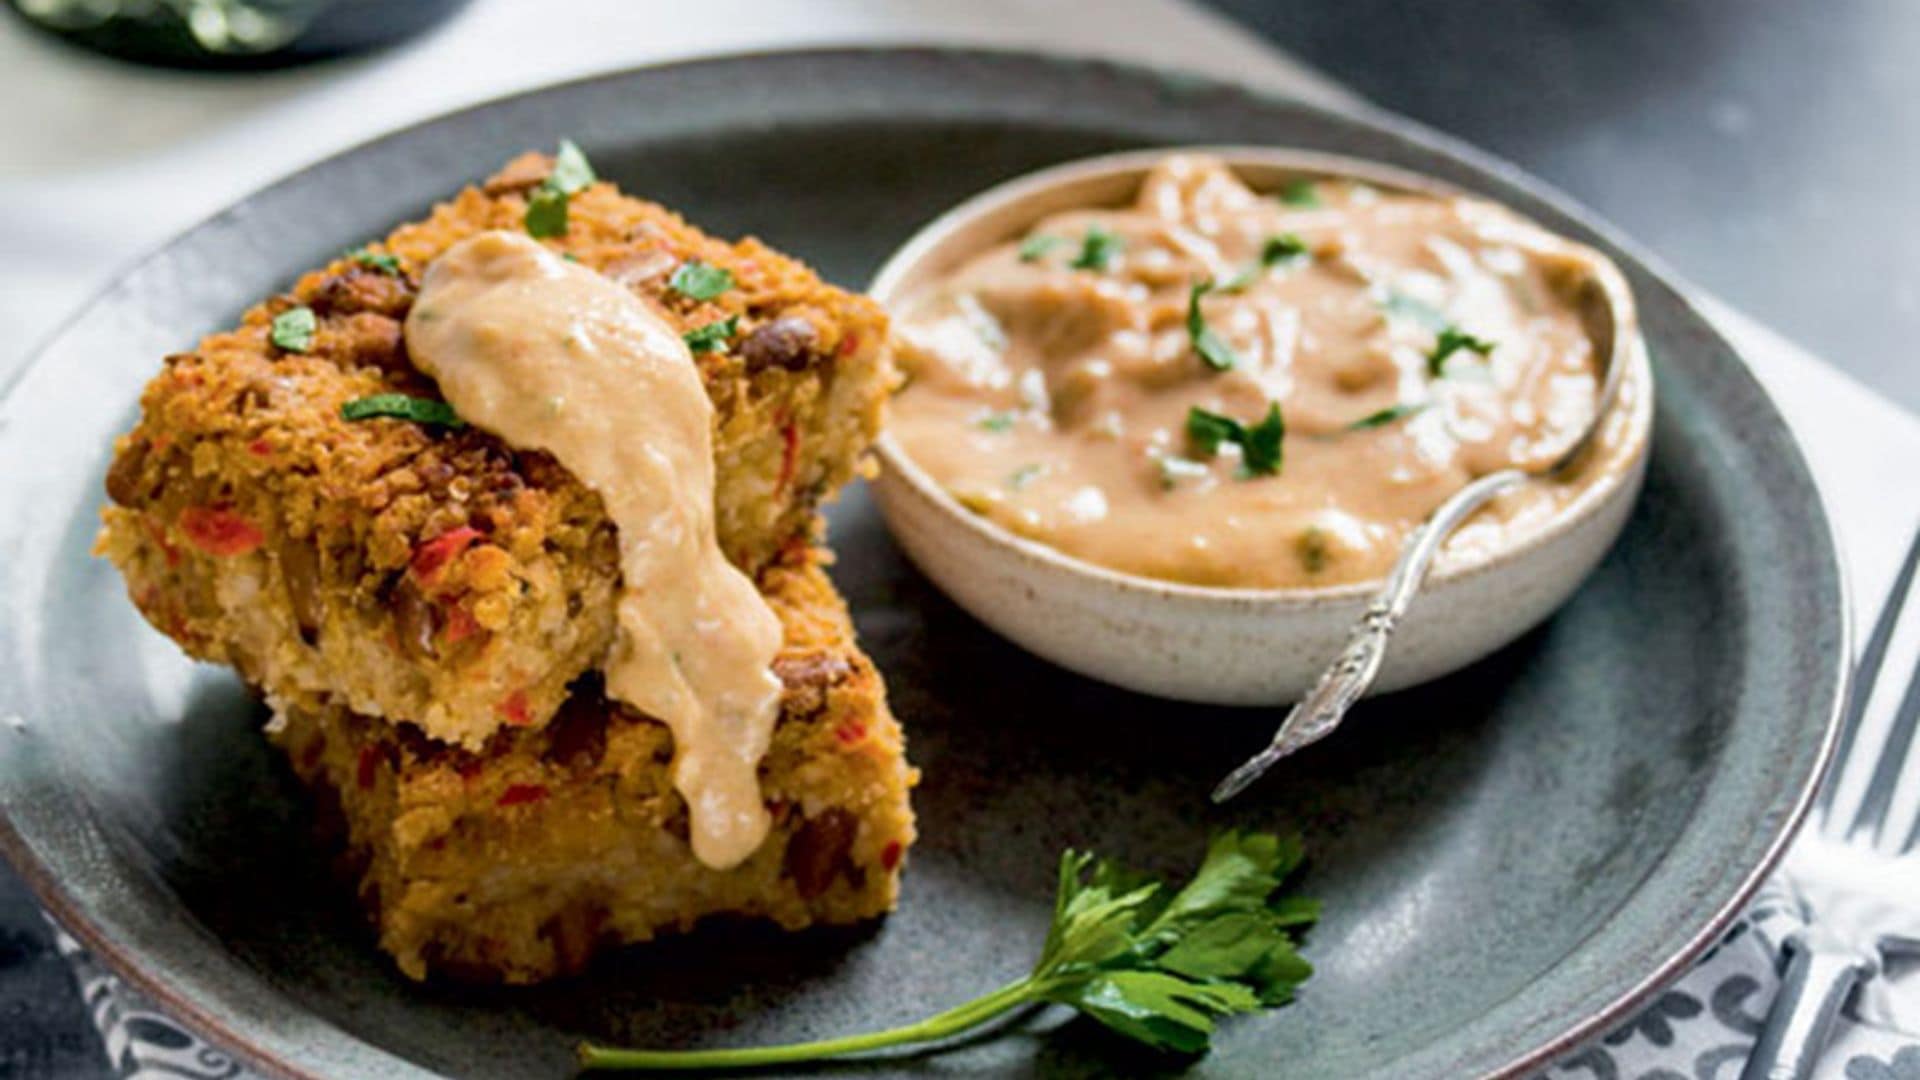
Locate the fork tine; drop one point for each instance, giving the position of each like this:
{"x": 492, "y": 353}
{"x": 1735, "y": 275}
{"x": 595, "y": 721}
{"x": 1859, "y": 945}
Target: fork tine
{"x": 1865, "y": 674}
{"x": 1879, "y": 796}
{"x": 1910, "y": 713}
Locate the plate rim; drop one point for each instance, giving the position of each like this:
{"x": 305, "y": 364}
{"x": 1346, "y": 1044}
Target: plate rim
{"x": 53, "y": 895}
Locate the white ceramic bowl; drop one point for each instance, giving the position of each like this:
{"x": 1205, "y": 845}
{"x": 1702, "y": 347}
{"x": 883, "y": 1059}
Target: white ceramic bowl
{"x": 1221, "y": 645}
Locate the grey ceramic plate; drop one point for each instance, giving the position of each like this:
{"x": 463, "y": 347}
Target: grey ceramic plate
{"x": 1509, "y": 858}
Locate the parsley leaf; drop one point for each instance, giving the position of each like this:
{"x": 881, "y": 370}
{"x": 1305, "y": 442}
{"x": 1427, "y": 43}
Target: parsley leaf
{"x": 1278, "y": 249}
{"x": 1210, "y": 346}
{"x": 1260, "y": 451}
{"x": 547, "y": 207}
{"x": 404, "y": 407}
{"x": 1036, "y": 246}
{"x": 1156, "y": 965}
{"x": 1400, "y": 305}
{"x": 1097, "y": 249}
{"x": 571, "y": 171}
{"x": 1207, "y": 430}
{"x": 1024, "y": 475}
{"x": 996, "y": 422}
{"x": 1387, "y": 415}
{"x": 546, "y": 214}
{"x": 1451, "y": 340}
{"x": 1300, "y": 192}
{"x": 1311, "y": 546}
{"x": 1281, "y": 247}
{"x": 376, "y": 260}
{"x": 700, "y": 281}
{"x": 293, "y": 329}
{"x": 713, "y": 336}
{"x": 1260, "y": 444}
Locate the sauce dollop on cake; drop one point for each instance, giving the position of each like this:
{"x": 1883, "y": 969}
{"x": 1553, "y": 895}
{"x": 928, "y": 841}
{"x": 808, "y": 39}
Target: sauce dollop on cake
{"x": 551, "y": 356}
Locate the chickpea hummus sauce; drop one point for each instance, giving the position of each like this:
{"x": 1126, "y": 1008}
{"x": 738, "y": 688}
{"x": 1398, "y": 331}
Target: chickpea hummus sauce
{"x": 1114, "y": 383}
{"x": 551, "y": 356}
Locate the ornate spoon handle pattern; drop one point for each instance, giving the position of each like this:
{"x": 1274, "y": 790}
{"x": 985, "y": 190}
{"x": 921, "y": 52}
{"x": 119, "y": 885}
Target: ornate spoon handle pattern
{"x": 1353, "y": 671}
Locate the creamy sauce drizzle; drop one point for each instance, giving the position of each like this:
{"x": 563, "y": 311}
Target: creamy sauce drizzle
{"x": 551, "y": 356}
{"x": 1054, "y": 399}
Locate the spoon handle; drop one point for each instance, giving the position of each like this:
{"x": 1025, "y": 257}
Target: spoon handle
{"x": 1353, "y": 671}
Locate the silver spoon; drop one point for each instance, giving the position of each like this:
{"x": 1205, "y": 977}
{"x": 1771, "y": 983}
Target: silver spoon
{"x": 1345, "y": 680}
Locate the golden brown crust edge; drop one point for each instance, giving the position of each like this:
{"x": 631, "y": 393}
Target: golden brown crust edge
{"x": 441, "y": 578}
{"x": 522, "y": 862}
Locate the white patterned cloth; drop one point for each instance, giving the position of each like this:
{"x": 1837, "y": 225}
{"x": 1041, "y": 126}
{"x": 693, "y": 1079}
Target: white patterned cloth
{"x": 142, "y": 1043}
{"x": 78, "y": 199}
{"x": 1704, "y": 1026}
{"x": 1701, "y": 1028}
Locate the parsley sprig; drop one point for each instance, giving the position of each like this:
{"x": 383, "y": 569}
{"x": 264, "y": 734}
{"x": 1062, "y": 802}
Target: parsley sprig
{"x": 1207, "y": 343}
{"x": 547, "y": 206}
{"x": 403, "y": 407}
{"x": 1387, "y": 415}
{"x": 1035, "y": 247}
{"x": 698, "y": 280}
{"x": 1152, "y": 963}
{"x": 1278, "y": 248}
{"x": 1097, "y": 249}
{"x": 294, "y": 328}
{"x": 1300, "y": 192}
{"x": 712, "y": 337}
{"x": 384, "y": 262}
{"x": 1451, "y": 340}
{"x": 1260, "y": 444}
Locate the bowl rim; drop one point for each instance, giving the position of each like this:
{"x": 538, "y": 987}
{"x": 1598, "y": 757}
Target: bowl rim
{"x": 1629, "y": 351}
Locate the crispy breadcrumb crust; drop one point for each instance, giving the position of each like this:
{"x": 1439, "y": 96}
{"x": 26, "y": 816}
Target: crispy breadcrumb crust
{"x": 522, "y": 861}
{"x": 442, "y": 578}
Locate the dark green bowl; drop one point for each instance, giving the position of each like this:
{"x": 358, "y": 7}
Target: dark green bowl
{"x": 1510, "y": 858}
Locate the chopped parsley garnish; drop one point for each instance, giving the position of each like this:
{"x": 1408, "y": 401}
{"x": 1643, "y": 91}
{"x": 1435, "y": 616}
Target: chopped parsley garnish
{"x": 1154, "y": 964}
{"x": 571, "y": 171}
{"x": 713, "y": 336}
{"x": 547, "y": 206}
{"x": 376, "y": 260}
{"x": 546, "y": 214}
{"x": 1036, "y": 246}
{"x": 1300, "y": 192}
{"x": 1210, "y": 346}
{"x": 700, "y": 281}
{"x": 1282, "y": 247}
{"x": 1452, "y": 339}
{"x": 1400, "y": 305}
{"x": 999, "y": 421}
{"x": 1097, "y": 249}
{"x": 404, "y": 407}
{"x": 1311, "y": 546}
{"x": 293, "y": 329}
{"x": 1024, "y": 475}
{"x": 1260, "y": 444}
{"x": 1278, "y": 249}
{"x": 1387, "y": 415}
{"x": 1207, "y": 430}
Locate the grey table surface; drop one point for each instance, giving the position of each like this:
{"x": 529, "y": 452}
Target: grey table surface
{"x": 1766, "y": 148}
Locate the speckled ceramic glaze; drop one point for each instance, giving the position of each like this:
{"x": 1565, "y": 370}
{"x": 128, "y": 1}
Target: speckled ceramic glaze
{"x": 1233, "y": 646}
{"x": 1510, "y": 856}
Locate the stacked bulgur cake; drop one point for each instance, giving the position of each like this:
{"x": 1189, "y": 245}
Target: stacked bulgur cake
{"x": 424, "y": 607}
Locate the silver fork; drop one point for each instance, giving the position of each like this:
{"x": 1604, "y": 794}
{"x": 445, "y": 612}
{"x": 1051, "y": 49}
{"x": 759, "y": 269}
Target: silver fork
{"x": 1855, "y": 877}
